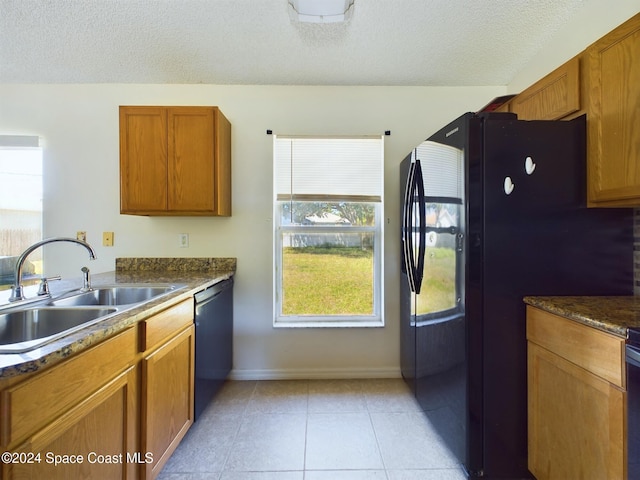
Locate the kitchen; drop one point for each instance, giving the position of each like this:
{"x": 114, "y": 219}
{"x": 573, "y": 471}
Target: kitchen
{"x": 79, "y": 125}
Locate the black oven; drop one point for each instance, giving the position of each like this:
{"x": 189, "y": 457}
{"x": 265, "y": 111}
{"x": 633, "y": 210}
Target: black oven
{"x": 633, "y": 405}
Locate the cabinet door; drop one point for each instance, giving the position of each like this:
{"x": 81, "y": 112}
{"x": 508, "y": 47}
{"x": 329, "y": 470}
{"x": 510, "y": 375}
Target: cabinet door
{"x": 613, "y": 116}
{"x": 553, "y": 97}
{"x": 167, "y": 398}
{"x": 30, "y": 405}
{"x": 143, "y": 159}
{"x": 576, "y": 421}
{"x": 96, "y": 439}
{"x": 191, "y": 160}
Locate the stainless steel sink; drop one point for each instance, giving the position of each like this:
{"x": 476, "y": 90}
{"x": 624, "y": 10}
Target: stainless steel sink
{"x": 115, "y": 295}
{"x": 26, "y": 329}
{"x": 29, "y": 327}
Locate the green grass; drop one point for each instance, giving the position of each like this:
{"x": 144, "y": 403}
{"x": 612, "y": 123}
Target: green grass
{"x": 339, "y": 281}
{"x": 327, "y": 281}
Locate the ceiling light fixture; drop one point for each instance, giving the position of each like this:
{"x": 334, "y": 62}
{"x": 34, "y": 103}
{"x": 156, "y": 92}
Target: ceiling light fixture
{"x": 321, "y": 11}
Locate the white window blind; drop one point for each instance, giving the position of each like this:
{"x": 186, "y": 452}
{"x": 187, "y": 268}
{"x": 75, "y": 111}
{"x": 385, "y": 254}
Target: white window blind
{"x": 318, "y": 169}
{"x": 442, "y": 169}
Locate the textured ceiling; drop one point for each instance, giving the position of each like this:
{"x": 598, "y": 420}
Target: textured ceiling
{"x": 255, "y": 42}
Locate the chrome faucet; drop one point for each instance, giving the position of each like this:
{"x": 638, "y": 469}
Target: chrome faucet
{"x": 16, "y": 290}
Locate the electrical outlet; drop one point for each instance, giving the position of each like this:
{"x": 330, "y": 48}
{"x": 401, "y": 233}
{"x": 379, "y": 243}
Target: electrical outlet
{"x": 81, "y": 236}
{"x": 107, "y": 239}
{"x": 183, "y": 240}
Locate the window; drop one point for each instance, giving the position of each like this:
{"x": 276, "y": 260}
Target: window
{"x": 20, "y": 204}
{"x": 328, "y": 231}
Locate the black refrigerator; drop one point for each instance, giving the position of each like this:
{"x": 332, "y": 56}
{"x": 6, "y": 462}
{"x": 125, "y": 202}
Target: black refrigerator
{"x": 494, "y": 209}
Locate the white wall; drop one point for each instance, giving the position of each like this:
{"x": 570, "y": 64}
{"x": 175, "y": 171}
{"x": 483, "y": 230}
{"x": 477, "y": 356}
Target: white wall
{"x": 79, "y": 126}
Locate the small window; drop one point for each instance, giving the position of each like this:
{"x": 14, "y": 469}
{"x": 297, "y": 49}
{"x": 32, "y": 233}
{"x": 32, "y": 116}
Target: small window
{"x": 328, "y": 231}
{"x": 20, "y": 205}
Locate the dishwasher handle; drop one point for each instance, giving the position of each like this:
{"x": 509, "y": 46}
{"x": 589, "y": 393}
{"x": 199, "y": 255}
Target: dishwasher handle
{"x": 633, "y": 356}
{"x": 213, "y": 291}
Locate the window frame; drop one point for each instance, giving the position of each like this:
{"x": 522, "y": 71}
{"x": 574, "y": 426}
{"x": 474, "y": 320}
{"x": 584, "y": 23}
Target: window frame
{"x": 376, "y": 318}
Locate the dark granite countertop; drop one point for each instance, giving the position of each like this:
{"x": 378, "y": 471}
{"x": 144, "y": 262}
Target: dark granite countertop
{"x": 609, "y": 314}
{"x": 194, "y": 273}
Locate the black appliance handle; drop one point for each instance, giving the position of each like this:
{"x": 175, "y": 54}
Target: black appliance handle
{"x": 633, "y": 356}
{"x": 422, "y": 237}
{"x": 414, "y": 191}
{"x": 407, "y": 228}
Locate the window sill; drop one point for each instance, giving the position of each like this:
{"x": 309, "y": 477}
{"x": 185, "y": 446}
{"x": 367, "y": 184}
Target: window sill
{"x": 328, "y": 324}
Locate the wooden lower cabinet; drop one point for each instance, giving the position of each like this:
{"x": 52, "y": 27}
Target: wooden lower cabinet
{"x": 114, "y": 411}
{"x": 91, "y": 441}
{"x": 167, "y": 399}
{"x": 577, "y": 418}
{"x": 576, "y": 421}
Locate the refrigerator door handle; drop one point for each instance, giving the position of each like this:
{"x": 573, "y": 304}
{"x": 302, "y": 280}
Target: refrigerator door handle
{"x": 403, "y": 228}
{"x": 414, "y": 193}
{"x": 407, "y": 227}
{"x": 422, "y": 227}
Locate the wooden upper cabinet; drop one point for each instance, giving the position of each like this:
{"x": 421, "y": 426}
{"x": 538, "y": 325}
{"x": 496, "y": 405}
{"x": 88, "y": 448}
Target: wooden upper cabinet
{"x": 613, "y": 136}
{"x": 551, "y": 98}
{"x": 175, "y": 161}
{"x": 143, "y": 159}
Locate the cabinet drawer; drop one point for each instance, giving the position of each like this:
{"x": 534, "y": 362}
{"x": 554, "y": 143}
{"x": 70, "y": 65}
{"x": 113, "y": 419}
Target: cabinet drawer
{"x": 598, "y": 352}
{"x": 28, "y": 406}
{"x": 161, "y": 326}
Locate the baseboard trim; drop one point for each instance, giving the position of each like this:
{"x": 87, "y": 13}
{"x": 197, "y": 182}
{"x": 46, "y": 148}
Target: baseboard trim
{"x": 314, "y": 374}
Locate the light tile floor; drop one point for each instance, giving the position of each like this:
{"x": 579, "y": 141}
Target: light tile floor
{"x": 313, "y": 430}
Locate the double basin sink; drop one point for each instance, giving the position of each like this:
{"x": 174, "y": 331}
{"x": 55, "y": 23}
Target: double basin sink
{"x": 26, "y": 328}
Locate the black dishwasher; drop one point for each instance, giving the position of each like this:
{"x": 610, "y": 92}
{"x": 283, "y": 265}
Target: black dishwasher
{"x": 214, "y": 341}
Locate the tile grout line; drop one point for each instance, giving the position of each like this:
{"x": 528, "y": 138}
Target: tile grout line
{"x": 242, "y": 416}
{"x": 375, "y": 435}
{"x": 306, "y": 434}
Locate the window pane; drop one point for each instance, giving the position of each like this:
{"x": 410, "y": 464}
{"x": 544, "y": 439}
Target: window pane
{"x": 20, "y": 210}
{"x": 323, "y": 214}
{"x": 327, "y": 274}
